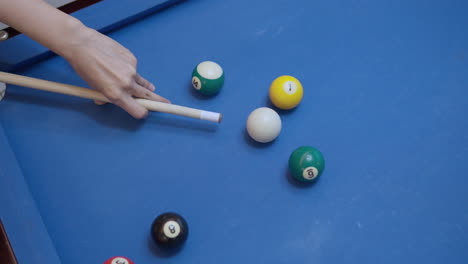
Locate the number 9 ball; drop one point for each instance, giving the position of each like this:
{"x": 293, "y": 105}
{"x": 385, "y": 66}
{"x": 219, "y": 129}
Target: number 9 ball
{"x": 169, "y": 230}
{"x": 306, "y": 164}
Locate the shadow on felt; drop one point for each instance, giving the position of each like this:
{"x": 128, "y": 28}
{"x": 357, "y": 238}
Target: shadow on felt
{"x": 280, "y": 112}
{"x": 110, "y": 115}
{"x": 163, "y": 252}
{"x": 251, "y": 142}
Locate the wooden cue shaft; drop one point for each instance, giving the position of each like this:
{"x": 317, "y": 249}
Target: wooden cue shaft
{"x": 95, "y": 95}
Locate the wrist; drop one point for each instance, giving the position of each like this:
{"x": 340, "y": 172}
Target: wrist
{"x": 73, "y": 35}
{"x": 43, "y": 23}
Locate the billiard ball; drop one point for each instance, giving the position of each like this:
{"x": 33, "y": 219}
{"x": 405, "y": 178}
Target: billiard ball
{"x": 169, "y": 230}
{"x": 306, "y": 164}
{"x": 264, "y": 125}
{"x": 208, "y": 78}
{"x": 118, "y": 260}
{"x": 286, "y": 92}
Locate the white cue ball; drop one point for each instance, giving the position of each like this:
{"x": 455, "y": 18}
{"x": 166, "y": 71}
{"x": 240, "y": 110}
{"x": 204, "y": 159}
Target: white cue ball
{"x": 264, "y": 125}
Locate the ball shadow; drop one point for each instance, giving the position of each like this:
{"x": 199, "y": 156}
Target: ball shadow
{"x": 296, "y": 183}
{"x": 163, "y": 252}
{"x": 251, "y": 142}
{"x": 282, "y": 112}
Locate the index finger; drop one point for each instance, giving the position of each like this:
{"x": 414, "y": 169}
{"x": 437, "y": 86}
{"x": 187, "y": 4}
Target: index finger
{"x": 132, "y": 107}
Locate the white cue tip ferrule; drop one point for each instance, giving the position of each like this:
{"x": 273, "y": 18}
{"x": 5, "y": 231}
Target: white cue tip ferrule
{"x": 211, "y": 116}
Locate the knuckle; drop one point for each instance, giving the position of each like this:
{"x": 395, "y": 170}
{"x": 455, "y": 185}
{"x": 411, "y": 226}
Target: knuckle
{"x": 114, "y": 95}
{"x": 127, "y": 82}
{"x": 133, "y": 59}
{"x": 132, "y": 74}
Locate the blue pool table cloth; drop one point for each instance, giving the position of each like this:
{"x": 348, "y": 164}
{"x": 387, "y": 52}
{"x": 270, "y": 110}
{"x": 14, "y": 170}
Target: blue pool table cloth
{"x": 386, "y": 101}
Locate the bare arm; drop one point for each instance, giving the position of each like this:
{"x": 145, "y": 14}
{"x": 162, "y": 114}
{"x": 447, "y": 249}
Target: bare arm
{"x": 103, "y": 63}
{"x": 32, "y": 17}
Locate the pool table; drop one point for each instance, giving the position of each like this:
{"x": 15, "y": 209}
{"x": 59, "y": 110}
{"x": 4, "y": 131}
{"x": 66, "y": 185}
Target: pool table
{"x": 385, "y": 101}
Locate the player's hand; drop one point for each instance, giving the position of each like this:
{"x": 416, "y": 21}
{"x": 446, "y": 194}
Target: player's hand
{"x": 111, "y": 69}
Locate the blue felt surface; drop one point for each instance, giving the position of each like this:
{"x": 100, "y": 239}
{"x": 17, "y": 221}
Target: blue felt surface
{"x": 104, "y": 16}
{"x": 385, "y": 101}
{"x": 18, "y": 212}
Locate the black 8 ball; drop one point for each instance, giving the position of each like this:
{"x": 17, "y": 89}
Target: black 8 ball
{"x": 169, "y": 230}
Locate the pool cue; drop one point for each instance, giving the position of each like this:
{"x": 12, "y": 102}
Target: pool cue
{"x": 97, "y": 96}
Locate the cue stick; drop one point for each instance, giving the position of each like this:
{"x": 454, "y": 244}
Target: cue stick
{"x": 95, "y": 95}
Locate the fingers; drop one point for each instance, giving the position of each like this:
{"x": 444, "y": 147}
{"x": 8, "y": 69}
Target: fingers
{"x": 145, "y": 83}
{"x": 140, "y": 88}
{"x": 142, "y": 92}
{"x": 130, "y": 105}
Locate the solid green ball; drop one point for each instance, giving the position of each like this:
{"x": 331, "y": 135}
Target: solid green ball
{"x": 208, "y": 78}
{"x": 306, "y": 164}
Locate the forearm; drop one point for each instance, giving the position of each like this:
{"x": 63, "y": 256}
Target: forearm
{"x": 43, "y": 23}
{"x": 102, "y": 62}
